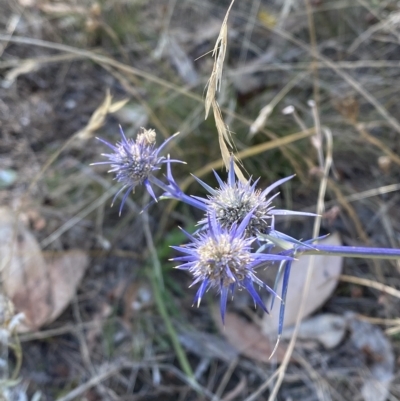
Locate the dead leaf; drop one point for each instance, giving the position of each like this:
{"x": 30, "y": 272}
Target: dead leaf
{"x": 324, "y": 279}
{"x": 379, "y": 358}
{"x": 23, "y": 269}
{"x": 250, "y": 341}
{"x": 248, "y": 338}
{"x": 39, "y": 289}
{"x": 65, "y": 273}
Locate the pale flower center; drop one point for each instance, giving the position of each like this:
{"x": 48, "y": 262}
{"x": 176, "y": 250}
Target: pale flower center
{"x": 223, "y": 259}
{"x": 232, "y": 205}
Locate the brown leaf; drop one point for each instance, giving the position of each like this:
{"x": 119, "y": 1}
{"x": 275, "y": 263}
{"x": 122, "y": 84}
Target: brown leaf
{"x": 23, "y": 269}
{"x": 65, "y": 274}
{"x": 38, "y": 289}
{"x": 248, "y": 338}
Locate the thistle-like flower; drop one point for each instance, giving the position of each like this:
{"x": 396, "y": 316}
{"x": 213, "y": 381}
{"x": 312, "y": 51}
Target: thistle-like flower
{"x": 234, "y": 200}
{"x": 135, "y": 161}
{"x": 223, "y": 258}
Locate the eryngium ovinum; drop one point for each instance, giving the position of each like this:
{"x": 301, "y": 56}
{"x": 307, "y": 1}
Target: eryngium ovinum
{"x": 134, "y": 162}
{"x": 223, "y": 258}
{"x": 233, "y": 200}
{"x": 237, "y": 216}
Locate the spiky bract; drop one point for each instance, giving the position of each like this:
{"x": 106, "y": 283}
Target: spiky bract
{"x": 223, "y": 258}
{"x": 135, "y": 161}
{"x": 234, "y": 200}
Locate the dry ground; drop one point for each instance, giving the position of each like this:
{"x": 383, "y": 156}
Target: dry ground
{"x": 58, "y": 59}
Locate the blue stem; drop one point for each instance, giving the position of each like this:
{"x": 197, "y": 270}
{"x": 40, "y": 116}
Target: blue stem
{"x": 350, "y": 251}
{"x": 174, "y": 192}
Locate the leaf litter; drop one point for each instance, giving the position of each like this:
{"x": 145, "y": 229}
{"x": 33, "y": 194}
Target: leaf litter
{"x": 39, "y": 286}
{"x": 355, "y": 182}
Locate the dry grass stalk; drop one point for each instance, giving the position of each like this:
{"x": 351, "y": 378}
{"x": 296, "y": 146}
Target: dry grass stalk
{"x": 376, "y": 142}
{"x": 219, "y": 53}
{"x": 224, "y": 136}
{"x": 370, "y": 283}
{"x": 307, "y": 284}
{"x": 392, "y": 121}
{"x": 349, "y": 109}
{"x": 214, "y": 85}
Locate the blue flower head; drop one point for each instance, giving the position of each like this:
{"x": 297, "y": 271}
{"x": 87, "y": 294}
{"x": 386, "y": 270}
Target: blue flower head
{"x": 135, "y": 161}
{"x": 233, "y": 201}
{"x": 223, "y": 258}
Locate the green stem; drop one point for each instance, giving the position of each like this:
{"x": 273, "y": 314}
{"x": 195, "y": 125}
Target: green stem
{"x": 180, "y": 353}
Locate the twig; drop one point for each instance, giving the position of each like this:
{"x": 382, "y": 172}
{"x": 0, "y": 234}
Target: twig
{"x": 370, "y": 283}
{"x": 94, "y": 381}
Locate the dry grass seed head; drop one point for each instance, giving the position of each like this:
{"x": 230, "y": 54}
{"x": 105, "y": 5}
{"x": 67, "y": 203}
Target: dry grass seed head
{"x": 214, "y": 84}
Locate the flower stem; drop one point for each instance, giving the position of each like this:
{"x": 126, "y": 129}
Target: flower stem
{"x": 180, "y": 353}
{"x": 350, "y": 251}
{"x": 158, "y": 290}
{"x": 174, "y": 192}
